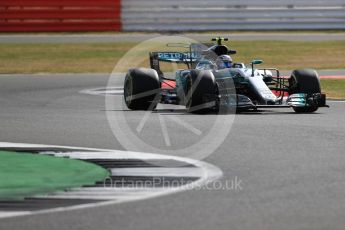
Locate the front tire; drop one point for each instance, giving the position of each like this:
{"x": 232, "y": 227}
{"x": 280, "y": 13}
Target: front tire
{"x": 305, "y": 81}
{"x": 200, "y": 85}
{"x": 141, "y": 89}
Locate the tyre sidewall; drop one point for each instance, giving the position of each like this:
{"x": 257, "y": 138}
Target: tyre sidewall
{"x": 141, "y": 80}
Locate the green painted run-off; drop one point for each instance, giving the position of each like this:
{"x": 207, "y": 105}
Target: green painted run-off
{"x": 26, "y": 174}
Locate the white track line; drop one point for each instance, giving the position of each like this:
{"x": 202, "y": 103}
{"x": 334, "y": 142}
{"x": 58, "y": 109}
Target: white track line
{"x": 103, "y": 91}
{"x": 155, "y": 172}
{"x": 12, "y": 214}
{"x": 207, "y": 173}
{"x": 336, "y": 101}
{"x": 107, "y": 154}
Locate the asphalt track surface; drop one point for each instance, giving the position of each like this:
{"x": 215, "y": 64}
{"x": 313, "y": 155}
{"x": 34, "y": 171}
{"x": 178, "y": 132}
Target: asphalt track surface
{"x": 135, "y": 37}
{"x": 291, "y": 165}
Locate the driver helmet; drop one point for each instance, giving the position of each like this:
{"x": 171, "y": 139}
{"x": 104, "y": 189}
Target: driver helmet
{"x": 224, "y": 61}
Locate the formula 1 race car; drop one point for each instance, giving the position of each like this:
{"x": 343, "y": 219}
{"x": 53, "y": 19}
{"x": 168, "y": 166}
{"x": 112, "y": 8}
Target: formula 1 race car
{"x": 212, "y": 81}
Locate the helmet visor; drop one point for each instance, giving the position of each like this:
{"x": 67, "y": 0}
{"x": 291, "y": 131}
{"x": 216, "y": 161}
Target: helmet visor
{"x": 227, "y": 64}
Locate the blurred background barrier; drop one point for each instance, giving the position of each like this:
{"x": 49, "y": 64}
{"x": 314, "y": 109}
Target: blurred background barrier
{"x": 59, "y": 15}
{"x": 170, "y": 15}
{"x": 198, "y": 15}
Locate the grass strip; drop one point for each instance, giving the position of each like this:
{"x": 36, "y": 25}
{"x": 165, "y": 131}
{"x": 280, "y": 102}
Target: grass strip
{"x": 334, "y": 88}
{"x": 26, "y": 174}
{"x": 102, "y": 57}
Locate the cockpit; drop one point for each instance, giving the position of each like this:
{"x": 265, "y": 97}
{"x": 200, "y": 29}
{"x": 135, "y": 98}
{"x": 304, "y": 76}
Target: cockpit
{"x": 206, "y": 65}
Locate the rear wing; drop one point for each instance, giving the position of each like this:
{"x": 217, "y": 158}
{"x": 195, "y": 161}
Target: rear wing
{"x": 188, "y": 58}
{"x": 177, "y": 57}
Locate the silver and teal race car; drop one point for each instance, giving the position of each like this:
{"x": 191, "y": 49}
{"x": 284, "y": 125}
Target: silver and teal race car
{"x": 213, "y": 82}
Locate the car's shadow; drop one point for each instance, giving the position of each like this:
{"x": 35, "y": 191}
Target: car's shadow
{"x": 268, "y": 112}
{"x": 242, "y": 113}
{"x": 238, "y": 113}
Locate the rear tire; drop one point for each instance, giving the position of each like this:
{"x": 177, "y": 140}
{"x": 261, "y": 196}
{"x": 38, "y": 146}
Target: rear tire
{"x": 141, "y": 89}
{"x": 304, "y": 81}
{"x": 199, "y": 84}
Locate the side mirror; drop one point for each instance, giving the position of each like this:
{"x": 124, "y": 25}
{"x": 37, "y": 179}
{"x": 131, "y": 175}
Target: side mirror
{"x": 232, "y": 52}
{"x": 255, "y": 62}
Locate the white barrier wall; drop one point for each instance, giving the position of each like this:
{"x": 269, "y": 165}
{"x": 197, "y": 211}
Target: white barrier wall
{"x": 188, "y": 15}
